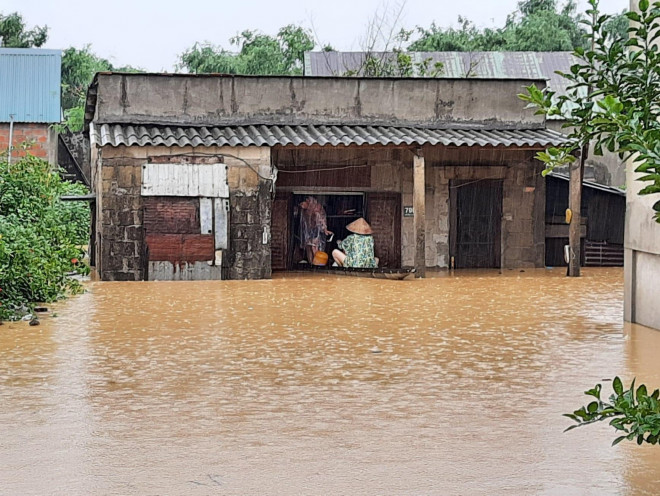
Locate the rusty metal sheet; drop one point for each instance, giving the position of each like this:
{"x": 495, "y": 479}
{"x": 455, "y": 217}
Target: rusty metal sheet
{"x": 180, "y": 247}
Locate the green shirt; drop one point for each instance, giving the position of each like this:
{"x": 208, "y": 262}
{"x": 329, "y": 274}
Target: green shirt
{"x": 359, "y": 251}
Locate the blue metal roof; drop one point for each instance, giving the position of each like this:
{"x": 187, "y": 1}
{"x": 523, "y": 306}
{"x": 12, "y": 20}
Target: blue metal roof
{"x": 30, "y": 85}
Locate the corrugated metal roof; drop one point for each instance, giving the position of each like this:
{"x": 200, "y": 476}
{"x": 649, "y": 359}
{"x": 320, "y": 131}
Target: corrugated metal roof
{"x": 479, "y": 65}
{"x": 30, "y": 85}
{"x": 487, "y": 65}
{"x": 590, "y": 184}
{"x": 116, "y": 134}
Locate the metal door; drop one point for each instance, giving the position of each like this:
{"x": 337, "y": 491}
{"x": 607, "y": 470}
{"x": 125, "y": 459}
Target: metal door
{"x": 476, "y": 226}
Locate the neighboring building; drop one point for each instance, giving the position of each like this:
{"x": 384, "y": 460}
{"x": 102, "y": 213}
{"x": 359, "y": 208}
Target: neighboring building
{"x": 642, "y": 252}
{"x": 607, "y": 169}
{"x": 200, "y": 176}
{"x": 603, "y": 212}
{"x": 30, "y": 101}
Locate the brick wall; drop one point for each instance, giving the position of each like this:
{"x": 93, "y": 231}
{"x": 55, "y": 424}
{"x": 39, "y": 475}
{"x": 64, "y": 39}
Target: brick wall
{"x": 38, "y": 138}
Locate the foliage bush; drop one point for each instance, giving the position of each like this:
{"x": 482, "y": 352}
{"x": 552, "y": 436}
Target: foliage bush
{"x": 612, "y": 95}
{"x": 633, "y": 412}
{"x": 40, "y": 236}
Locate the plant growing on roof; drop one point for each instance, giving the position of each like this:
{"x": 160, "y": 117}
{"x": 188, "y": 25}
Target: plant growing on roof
{"x": 613, "y": 99}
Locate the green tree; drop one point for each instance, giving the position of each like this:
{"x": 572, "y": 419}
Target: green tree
{"x": 617, "y": 27}
{"x": 541, "y": 27}
{"x": 614, "y": 90}
{"x": 78, "y": 69}
{"x": 15, "y": 34}
{"x": 466, "y": 38}
{"x": 257, "y": 54}
{"x": 536, "y": 25}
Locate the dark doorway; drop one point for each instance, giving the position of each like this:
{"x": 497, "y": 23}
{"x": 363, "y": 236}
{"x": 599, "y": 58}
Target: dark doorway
{"x": 381, "y": 210}
{"x": 476, "y": 215}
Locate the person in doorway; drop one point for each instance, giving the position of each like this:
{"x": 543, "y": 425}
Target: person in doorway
{"x": 357, "y": 250}
{"x": 313, "y": 228}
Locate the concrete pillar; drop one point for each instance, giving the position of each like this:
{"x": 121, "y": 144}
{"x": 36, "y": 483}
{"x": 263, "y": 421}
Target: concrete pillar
{"x": 419, "y": 212}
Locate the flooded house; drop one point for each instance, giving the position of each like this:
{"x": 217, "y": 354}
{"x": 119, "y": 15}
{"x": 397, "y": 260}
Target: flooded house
{"x": 202, "y": 176}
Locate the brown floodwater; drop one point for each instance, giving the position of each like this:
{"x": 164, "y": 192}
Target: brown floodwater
{"x": 308, "y": 384}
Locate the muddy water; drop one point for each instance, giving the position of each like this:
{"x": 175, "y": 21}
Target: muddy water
{"x": 275, "y": 387}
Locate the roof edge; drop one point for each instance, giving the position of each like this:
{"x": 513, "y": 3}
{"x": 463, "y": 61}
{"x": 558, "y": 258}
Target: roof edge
{"x": 297, "y": 76}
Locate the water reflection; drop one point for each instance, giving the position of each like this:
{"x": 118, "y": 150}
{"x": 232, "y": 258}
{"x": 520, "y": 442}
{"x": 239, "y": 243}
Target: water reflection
{"x": 273, "y": 387}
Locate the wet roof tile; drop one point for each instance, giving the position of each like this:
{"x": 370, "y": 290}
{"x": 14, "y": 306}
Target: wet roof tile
{"x": 129, "y": 135}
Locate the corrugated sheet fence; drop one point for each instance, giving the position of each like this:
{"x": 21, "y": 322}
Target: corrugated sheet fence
{"x": 30, "y": 85}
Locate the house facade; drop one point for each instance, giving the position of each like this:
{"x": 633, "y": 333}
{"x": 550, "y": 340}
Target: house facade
{"x": 607, "y": 169}
{"x": 202, "y": 176}
{"x": 30, "y": 101}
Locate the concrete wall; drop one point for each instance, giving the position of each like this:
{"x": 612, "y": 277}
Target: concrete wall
{"x": 39, "y": 140}
{"x": 121, "y": 249}
{"x": 642, "y": 251}
{"x": 241, "y": 100}
{"x": 642, "y": 256}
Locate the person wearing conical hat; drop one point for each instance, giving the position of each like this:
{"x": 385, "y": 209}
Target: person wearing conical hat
{"x": 357, "y": 250}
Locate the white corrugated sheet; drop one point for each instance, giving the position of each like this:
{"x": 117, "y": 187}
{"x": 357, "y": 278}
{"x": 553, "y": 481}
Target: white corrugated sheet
{"x": 190, "y": 180}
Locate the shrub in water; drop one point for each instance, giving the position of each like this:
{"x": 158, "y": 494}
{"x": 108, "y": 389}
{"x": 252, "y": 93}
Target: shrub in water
{"x": 40, "y": 236}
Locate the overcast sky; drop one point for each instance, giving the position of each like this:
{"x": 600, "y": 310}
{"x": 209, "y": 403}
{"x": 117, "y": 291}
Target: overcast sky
{"x": 151, "y": 34}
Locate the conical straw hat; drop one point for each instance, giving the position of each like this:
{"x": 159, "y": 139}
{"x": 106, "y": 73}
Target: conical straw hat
{"x": 359, "y": 226}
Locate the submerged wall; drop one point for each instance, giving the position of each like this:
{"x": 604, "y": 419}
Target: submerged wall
{"x": 123, "y": 244}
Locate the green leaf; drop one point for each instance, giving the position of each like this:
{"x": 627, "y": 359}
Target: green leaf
{"x": 643, "y": 5}
{"x": 641, "y": 392}
{"x": 618, "y": 440}
{"x": 617, "y": 386}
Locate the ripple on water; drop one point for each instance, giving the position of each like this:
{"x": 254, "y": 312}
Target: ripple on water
{"x": 273, "y": 387}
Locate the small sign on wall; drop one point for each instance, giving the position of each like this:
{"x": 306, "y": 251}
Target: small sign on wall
{"x": 408, "y": 212}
